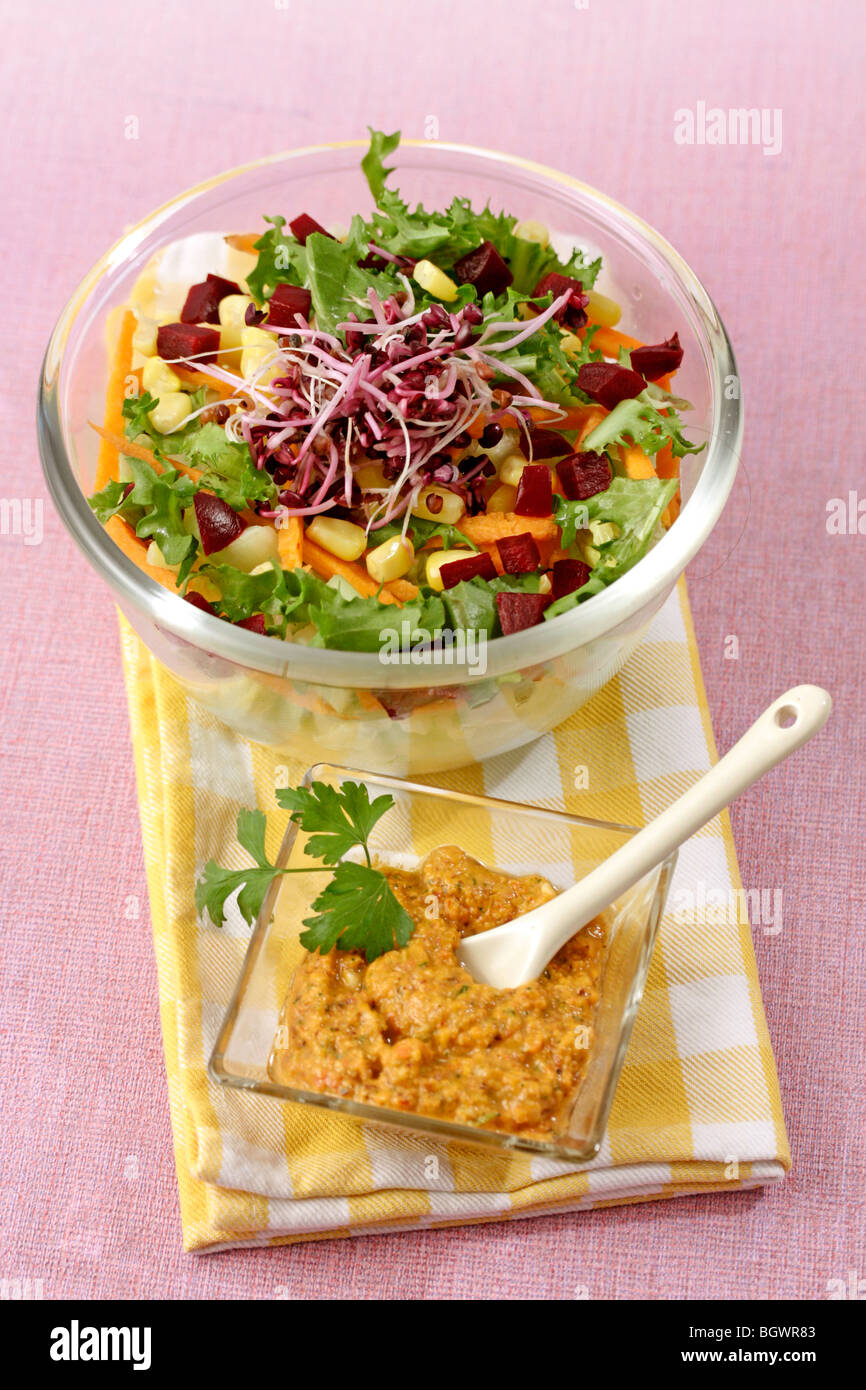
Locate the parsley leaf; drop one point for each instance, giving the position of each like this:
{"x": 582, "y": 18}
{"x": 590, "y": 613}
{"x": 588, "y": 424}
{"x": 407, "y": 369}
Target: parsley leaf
{"x": 216, "y": 884}
{"x": 357, "y": 911}
{"x": 336, "y": 818}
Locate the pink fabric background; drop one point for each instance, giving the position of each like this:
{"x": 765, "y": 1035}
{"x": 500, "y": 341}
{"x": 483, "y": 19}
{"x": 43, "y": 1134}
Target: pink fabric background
{"x": 88, "y": 1186}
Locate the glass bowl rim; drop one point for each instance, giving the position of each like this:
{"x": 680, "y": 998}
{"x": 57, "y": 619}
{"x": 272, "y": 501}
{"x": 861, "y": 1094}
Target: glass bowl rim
{"x": 361, "y": 1110}
{"x": 570, "y": 631}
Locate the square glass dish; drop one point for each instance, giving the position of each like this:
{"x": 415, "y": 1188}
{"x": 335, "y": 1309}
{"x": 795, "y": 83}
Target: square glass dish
{"x": 505, "y": 836}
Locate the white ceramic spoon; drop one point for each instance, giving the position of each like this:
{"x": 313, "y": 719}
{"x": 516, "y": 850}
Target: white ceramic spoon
{"x": 518, "y": 951}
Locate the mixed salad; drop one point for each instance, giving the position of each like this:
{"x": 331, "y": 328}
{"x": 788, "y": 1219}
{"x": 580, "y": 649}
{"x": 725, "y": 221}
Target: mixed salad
{"x": 429, "y": 412}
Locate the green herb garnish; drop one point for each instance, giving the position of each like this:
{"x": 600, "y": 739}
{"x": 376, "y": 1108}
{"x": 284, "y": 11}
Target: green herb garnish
{"x": 356, "y": 910}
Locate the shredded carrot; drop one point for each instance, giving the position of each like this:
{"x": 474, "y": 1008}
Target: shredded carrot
{"x": 486, "y": 529}
{"x": 136, "y": 550}
{"x": 402, "y": 589}
{"x": 595, "y": 417}
{"x": 106, "y": 464}
{"x": 637, "y": 464}
{"x": 327, "y": 565}
{"x": 669, "y": 467}
{"x": 610, "y": 340}
{"x": 243, "y": 241}
{"x": 138, "y": 451}
{"x": 290, "y": 543}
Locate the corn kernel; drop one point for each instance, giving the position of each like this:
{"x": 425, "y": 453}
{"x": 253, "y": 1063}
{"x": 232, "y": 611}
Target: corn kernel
{"x": 341, "y": 538}
{"x": 390, "y": 560}
{"x": 158, "y": 378}
{"x": 232, "y": 316}
{"x": 371, "y": 475}
{"x": 450, "y": 506}
{"x": 144, "y": 337}
{"x": 602, "y": 310}
{"x": 256, "y": 348}
{"x": 604, "y": 531}
{"x": 569, "y": 342}
{"x": 170, "y": 411}
{"x": 502, "y": 499}
{"x": 511, "y": 468}
{"x": 545, "y": 584}
{"x": 530, "y": 230}
{"x": 154, "y": 556}
{"x": 436, "y": 559}
{"x": 257, "y": 545}
{"x": 434, "y": 280}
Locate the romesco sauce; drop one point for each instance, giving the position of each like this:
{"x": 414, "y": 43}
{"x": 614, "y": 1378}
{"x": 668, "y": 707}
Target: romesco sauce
{"x": 413, "y": 1031}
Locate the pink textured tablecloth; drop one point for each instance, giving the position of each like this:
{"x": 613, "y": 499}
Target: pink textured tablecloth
{"x": 89, "y": 1203}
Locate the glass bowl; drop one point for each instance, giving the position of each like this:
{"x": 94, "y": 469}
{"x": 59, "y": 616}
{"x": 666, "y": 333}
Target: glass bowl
{"x": 335, "y": 705}
{"x": 503, "y": 835}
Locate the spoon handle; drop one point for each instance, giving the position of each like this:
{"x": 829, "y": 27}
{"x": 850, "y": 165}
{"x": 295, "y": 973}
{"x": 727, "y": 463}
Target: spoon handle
{"x": 781, "y": 729}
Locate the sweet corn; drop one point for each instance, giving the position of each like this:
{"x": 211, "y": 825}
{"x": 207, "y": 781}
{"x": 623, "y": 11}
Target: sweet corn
{"x": 604, "y": 531}
{"x": 390, "y": 560}
{"x": 341, "y": 538}
{"x": 154, "y": 556}
{"x": 170, "y": 411}
{"x": 545, "y": 584}
{"x": 502, "y": 499}
{"x": 569, "y": 342}
{"x": 530, "y": 230}
{"x": 371, "y": 475}
{"x": 511, "y": 468}
{"x": 158, "y": 378}
{"x": 256, "y": 347}
{"x": 449, "y": 512}
{"x": 434, "y": 280}
{"x": 602, "y": 310}
{"x": 232, "y": 316}
{"x": 144, "y": 337}
{"x": 436, "y": 559}
{"x": 257, "y": 545}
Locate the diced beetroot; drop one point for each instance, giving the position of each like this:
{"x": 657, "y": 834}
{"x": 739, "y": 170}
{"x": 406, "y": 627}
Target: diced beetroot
{"x": 583, "y": 475}
{"x": 304, "y": 226}
{"x": 480, "y": 564}
{"x": 609, "y": 383}
{"x": 199, "y": 601}
{"x": 519, "y": 554}
{"x": 548, "y": 444}
{"x": 485, "y": 269}
{"x": 176, "y": 340}
{"x": 218, "y": 523}
{"x": 285, "y": 302}
{"x": 573, "y": 312}
{"x": 656, "y": 361}
{"x": 254, "y": 624}
{"x": 569, "y": 575}
{"x": 203, "y": 301}
{"x": 535, "y": 491}
{"x": 518, "y": 611}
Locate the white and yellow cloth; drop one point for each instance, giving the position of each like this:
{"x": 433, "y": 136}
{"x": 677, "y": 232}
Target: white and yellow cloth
{"x": 697, "y": 1108}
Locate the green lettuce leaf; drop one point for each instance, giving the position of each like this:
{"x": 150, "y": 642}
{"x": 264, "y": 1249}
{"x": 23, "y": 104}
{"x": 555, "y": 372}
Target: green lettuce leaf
{"x": 635, "y": 505}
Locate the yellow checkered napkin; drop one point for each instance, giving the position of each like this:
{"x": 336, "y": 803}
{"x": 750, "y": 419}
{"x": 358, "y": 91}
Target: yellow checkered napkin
{"x": 697, "y": 1108}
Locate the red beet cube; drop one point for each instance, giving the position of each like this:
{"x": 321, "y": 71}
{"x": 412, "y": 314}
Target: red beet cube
{"x": 519, "y": 554}
{"x": 573, "y": 312}
{"x": 656, "y": 361}
{"x": 304, "y": 226}
{"x": 285, "y": 302}
{"x": 535, "y": 491}
{"x": 569, "y": 575}
{"x": 583, "y": 475}
{"x": 548, "y": 444}
{"x": 179, "y": 340}
{"x": 485, "y": 269}
{"x": 199, "y": 601}
{"x": 480, "y": 564}
{"x": 218, "y": 523}
{"x": 609, "y": 383}
{"x": 518, "y": 611}
{"x": 254, "y": 624}
{"x": 203, "y": 301}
